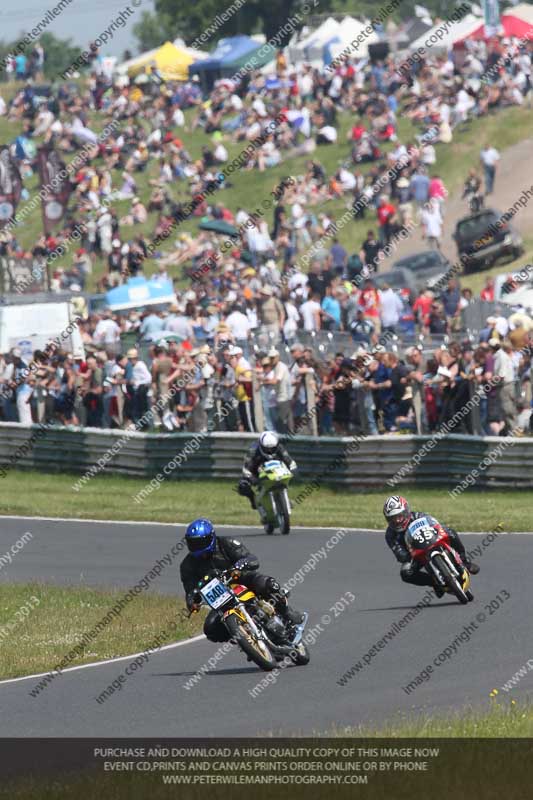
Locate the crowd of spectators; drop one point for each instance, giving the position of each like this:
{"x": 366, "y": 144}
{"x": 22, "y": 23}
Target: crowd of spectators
{"x": 284, "y": 279}
{"x": 377, "y": 386}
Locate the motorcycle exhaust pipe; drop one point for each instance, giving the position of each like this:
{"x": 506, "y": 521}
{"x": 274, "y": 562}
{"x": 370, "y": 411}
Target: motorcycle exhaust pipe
{"x": 300, "y": 630}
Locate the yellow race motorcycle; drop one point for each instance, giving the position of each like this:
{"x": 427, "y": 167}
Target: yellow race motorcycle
{"x": 253, "y": 623}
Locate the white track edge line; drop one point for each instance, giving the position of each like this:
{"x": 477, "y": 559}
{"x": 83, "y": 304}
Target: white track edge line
{"x": 105, "y": 661}
{"x": 237, "y": 527}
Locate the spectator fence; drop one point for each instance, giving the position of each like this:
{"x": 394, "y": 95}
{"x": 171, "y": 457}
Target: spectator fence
{"x": 332, "y": 461}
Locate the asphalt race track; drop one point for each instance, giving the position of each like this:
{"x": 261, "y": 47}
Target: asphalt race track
{"x": 304, "y": 700}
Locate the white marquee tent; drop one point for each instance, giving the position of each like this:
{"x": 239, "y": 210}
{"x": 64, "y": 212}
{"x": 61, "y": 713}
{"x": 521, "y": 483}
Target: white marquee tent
{"x": 350, "y": 29}
{"x": 454, "y": 33}
{"x": 311, "y": 47}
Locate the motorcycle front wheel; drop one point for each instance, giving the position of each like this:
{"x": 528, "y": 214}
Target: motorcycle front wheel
{"x": 282, "y": 512}
{"x": 452, "y": 583}
{"x": 256, "y": 650}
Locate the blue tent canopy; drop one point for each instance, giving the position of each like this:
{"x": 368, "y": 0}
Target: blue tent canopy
{"x": 230, "y": 56}
{"x": 138, "y": 292}
{"x": 226, "y": 52}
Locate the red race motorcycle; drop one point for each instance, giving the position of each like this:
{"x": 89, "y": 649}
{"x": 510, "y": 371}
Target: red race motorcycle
{"x": 429, "y": 545}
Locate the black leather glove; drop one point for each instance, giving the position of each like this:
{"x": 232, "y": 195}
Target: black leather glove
{"x": 402, "y": 555}
{"x": 193, "y": 600}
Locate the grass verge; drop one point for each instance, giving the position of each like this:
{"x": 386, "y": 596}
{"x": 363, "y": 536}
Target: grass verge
{"x": 53, "y": 627}
{"x": 30, "y": 493}
{"x": 509, "y": 720}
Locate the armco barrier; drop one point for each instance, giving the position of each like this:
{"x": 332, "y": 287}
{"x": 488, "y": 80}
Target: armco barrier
{"x": 351, "y": 462}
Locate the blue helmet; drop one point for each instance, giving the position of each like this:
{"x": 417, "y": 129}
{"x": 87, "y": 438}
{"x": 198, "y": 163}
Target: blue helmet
{"x": 201, "y": 537}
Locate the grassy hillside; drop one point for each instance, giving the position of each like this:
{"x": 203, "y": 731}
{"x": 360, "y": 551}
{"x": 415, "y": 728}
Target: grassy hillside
{"x": 503, "y": 129}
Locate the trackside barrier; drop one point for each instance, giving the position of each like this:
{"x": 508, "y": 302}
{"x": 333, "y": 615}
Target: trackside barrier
{"x": 350, "y": 462}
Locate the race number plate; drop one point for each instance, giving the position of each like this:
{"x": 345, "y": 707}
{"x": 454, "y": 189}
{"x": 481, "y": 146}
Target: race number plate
{"x": 215, "y": 593}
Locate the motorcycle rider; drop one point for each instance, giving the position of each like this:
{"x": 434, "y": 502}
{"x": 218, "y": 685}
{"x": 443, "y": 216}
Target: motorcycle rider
{"x": 399, "y": 516}
{"x": 472, "y": 191}
{"x": 209, "y": 552}
{"x": 267, "y": 447}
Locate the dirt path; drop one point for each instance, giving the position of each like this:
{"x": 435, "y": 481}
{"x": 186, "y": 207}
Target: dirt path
{"x": 514, "y": 175}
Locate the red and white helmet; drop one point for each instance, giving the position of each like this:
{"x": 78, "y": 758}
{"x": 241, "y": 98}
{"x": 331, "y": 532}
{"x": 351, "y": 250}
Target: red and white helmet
{"x": 397, "y": 512}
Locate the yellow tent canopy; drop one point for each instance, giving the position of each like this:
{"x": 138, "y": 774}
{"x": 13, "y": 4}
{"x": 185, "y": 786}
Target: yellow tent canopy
{"x": 171, "y": 62}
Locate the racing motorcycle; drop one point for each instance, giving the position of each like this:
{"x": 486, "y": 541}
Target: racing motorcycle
{"x": 429, "y": 545}
{"x": 253, "y": 623}
{"x": 272, "y": 497}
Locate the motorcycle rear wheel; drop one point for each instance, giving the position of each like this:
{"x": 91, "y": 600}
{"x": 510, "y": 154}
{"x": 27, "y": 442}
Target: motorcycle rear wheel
{"x": 256, "y": 650}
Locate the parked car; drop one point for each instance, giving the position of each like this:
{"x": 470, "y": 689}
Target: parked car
{"x": 401, "y": 280}
{"x": 426, "y": 268}
{"x": 483, "y": 237}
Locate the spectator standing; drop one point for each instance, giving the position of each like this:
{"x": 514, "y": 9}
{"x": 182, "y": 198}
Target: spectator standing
{"x": 331, "y": 311}
{"x": 107, "y": 333}
{"x": 152, "y": 323}
{"x": 243, "y": 388}
{"x": 438, "y": 191}
{"x": 362, "y": 329}
{"x": 319, "y": 278}
{"x": 238, "y": 323}
{"x": 489, "y": 157}
{"x": 391, "y": 309}
{"x": 178, "y": 323}
{"x": 431, "y": 219}
{"x": 299, "y": 370}
{"x": 281, "y": 381}
{"x": 265, "y": 375}
{"x": 20, "y": 66}
{"x": 386, "y": 213}
{"x": 420, "y": 187}
{"x": 271, "y": 311}
{"x": 370, "y": 250}
{"x": 141, "y": 381}
{"x": 339, "y": 257}
{"x": 92, "y": 389}
{"x": 451, "y": 301}
{"x": 311, "y": 312}
{"x": 370, "y": 302}
{"x": 23, "y": 389}
{"x": 505, "y": 373}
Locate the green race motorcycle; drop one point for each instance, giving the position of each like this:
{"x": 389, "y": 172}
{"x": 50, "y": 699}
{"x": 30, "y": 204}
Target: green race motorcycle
{"x": 272, "y": 497}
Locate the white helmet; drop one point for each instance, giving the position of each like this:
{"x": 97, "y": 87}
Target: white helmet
{"x": 268, "y": 443}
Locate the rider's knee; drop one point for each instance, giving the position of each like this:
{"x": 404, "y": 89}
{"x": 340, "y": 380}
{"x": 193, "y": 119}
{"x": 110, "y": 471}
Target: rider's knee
{"x": 244, "y": 487}
{"x": 407, "y": 573}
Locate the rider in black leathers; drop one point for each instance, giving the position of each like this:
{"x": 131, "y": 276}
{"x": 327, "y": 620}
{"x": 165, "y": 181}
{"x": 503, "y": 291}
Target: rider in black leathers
{"x": 266, "y": 448}
{"x": 399, "y": 516}
{"x": 226, "y": 553}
